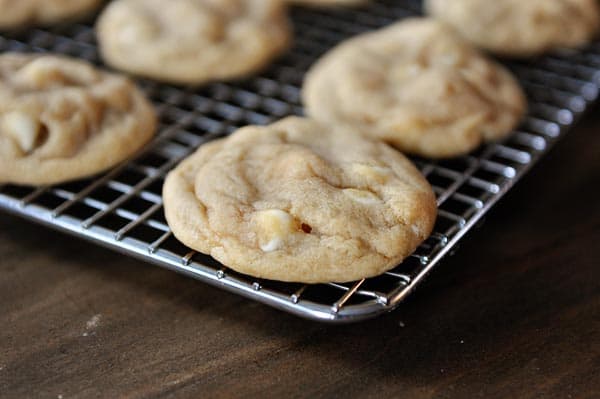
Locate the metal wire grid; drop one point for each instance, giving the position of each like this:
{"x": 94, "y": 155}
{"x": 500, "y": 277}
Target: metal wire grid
{"x": 122, "y": 209}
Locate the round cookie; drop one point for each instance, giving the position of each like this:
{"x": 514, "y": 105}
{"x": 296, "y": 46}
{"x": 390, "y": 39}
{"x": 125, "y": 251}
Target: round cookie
{"x": 192, "y": 41}
{"x": 416, "y": 85}
{"x": 300, "y": 201}
{"x": 520, "y": 28}
{"x": 61, "y": 119}
{"x": 17, "y": 14}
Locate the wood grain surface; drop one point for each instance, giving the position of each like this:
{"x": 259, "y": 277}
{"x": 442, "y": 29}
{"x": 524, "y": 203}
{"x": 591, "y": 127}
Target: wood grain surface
{"x": 515, "y": 313}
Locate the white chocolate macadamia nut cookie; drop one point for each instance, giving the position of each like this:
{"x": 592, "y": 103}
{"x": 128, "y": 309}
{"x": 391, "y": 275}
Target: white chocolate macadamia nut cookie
{"x": 300, "y": 201}
{"x": 192, "y": 41}
{"x": 416, "y": 85}
{"x": 61, "y": 119}
{"x": 22, "y": 13}
{"x": 520, "y": 28}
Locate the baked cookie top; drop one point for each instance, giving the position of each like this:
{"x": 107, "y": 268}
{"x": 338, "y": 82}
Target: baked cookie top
{"x": 192, "y": 41}
{"x": 300, "y": 201}
{"x": 20, "y": 13}
{"x": 62, "y": 119}
{"x": 416, "y": 85}
{"x": 520, "y": 28}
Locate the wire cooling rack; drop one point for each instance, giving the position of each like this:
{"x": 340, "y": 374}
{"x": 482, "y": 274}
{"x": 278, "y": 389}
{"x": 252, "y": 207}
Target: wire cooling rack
{"x": 122, "y": 209}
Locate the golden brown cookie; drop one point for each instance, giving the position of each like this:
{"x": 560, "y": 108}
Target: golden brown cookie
{"x": 520, "y": 28}
{"x": 61, "y": 119}
{"x": 416, "y": 85}
{"x": 193, "y": 41}
{"x": 300, "y": 201}
{"x": 20, "y": 13}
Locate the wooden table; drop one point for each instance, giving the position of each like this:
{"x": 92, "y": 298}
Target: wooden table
{"x": 515, "y": 313}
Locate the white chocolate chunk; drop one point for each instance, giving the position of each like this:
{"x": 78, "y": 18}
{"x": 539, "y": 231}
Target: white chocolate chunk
{"x": 273, "y": 245}
{"x": 22, "y": 128}
{"x": 377, "y": 173}
{"x": 273, "y": 227}
{"x": 362, "y": 196}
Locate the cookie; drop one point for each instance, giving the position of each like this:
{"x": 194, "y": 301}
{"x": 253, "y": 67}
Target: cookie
{"x": 17, "y": 14}
{"x": 416, "y": 85}
{"x": 192, "y": 41}
{"x": 300, "y": 201}
{"x": 520, "y": 28}
{"x": 62, "y": 119}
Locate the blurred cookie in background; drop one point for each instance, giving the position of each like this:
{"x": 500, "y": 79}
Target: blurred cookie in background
{"x": 16, "y": 14}
{"x": 417, "y": 85}
{"x": 520, "y": 28}
{"x": 193, "y": 41}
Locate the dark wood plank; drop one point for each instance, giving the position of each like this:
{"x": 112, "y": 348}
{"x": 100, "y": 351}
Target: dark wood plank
{"x": 516, "y": 313}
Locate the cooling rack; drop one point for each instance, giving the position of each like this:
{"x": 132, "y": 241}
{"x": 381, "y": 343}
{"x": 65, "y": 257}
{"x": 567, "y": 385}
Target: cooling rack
{"x": 122, "y": 209}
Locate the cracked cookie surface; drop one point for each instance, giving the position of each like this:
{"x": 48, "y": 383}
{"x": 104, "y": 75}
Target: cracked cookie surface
{"x": 192, "y": 41}
{"x": 520, "y": 28}
{"x": 61, "y": 119}
{"x": 21, "y": 13}
{"x": 416, "y": 85}
{"x": 300, "y": 201}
